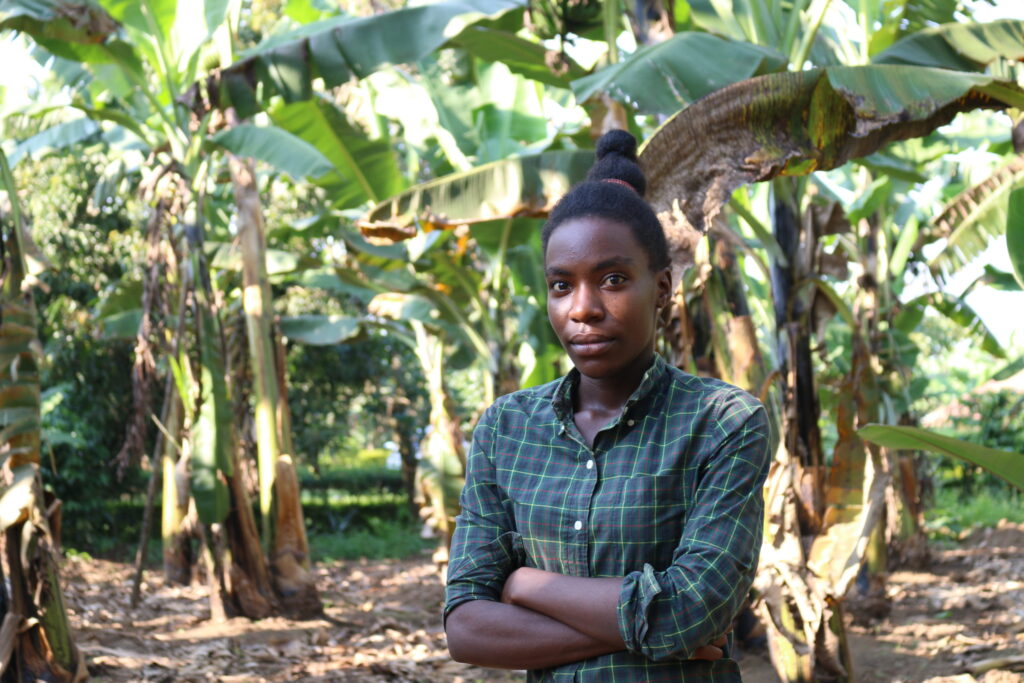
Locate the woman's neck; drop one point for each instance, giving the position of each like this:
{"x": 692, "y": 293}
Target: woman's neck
{"x": 607, "y": 395}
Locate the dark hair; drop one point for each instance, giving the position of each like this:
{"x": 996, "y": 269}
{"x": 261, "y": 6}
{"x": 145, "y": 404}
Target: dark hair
{"x": 614, "y": 189}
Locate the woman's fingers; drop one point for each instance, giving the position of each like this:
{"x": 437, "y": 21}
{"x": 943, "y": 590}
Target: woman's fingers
{"x": 708, "y": 653}
{"x": 721, "y": 642}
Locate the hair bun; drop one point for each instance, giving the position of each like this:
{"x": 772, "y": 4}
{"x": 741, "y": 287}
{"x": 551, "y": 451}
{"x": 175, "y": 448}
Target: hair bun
{"x": 619, "y": 142}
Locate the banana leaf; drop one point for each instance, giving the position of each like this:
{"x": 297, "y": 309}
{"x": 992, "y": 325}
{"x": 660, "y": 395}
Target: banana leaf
{"x": 55, "y": 137}
{"x": 362, "y": 169}
{"x": 81, "y": 32}
{"x": 1015, "y": 233}
{"x": 277, "y": 147}
{"x": 796, "y": 123}
{"x": 521, "y": 186}
{"x": 975, "y": 217}
{"x": 341, "y": 48}
{"x": 959, "y": 46}
{"x": 520, "y": 55}
{"x": 18, "y": 498}
{"x": 662, "y": 78}
{"x": 1004, "y": 464}
{"x": 320, "y": 330}
{"x": 211, "y": 433}
{"x": 957, "y": 311}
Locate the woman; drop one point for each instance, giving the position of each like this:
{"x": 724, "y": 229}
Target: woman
{"x": 611, "y": 520}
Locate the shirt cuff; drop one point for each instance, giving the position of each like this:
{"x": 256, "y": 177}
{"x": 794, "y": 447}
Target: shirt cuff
{"x": 639, "y": 590}
{"x": 481, "y": 574}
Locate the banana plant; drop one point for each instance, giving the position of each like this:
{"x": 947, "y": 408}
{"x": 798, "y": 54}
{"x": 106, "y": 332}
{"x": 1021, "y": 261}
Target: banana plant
{"x": 789, "y": 124}
{"x": 35, "y": 631}
{"x": 137, "y": 60}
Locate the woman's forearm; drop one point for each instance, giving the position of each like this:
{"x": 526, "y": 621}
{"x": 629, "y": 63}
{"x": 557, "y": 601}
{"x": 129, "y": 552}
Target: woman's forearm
{"x": 589, "y": 605}
{"x": 505, "y": 636}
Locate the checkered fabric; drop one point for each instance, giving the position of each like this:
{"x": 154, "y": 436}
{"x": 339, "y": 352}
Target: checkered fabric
{"x": 669, "y": 497}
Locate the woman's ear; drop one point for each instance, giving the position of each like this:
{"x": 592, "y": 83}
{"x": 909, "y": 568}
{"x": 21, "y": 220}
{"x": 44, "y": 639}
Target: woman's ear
{"x": 663, "y": 282}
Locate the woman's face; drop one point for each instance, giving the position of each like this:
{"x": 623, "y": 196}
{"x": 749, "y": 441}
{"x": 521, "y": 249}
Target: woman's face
{"x": 603, "y": 297}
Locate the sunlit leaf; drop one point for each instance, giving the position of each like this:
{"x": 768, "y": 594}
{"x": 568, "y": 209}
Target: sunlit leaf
{"x": 1015, "y": 233}
{"x": 521, "y": 186}
{"x": 1004, "y": 464}
{"x": 662, "y": 78}
{"x": 521, "y": 56}
{"x": 319, "y": 330}
{"x": 363, "y": 169}
{"x": 277, "y": 147}
{"x": 341, "y": 48}
{"x": 18, "y": 498}
{"x": 959, "y": 46}
{"x": 971, "y": 220}
{"x": 795, "y": 123}
{"x": 55, "y": 138}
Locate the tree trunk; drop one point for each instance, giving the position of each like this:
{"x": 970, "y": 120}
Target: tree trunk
{"x": 277, "y": 479}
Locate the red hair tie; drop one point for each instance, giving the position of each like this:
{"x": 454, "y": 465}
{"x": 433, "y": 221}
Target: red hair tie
{"x": 618, "y": 182}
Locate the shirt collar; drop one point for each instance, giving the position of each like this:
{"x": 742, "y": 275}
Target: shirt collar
{"x": 562, "y": 400}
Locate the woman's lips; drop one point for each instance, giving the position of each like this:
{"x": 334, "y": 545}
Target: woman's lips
{"x": 590, "y": 344}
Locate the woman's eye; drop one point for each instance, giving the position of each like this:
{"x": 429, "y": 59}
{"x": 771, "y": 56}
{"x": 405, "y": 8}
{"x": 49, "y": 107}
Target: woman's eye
{"x": 615, "y": 279}
{"x": 558, "y": 286}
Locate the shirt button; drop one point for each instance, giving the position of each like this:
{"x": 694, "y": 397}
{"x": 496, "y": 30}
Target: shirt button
{"x": 578, "y": 525}
{"x": 590, "y": 464}
{"x": 631, "y": 422}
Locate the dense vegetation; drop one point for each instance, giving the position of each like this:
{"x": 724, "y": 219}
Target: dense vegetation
{"x": 277, "y": 249}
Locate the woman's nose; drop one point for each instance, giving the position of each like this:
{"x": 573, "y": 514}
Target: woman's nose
{"x": 586, "y": 305}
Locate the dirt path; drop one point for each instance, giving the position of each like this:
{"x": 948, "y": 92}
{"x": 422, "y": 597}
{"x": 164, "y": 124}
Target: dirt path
{"x": 966, "y": 608}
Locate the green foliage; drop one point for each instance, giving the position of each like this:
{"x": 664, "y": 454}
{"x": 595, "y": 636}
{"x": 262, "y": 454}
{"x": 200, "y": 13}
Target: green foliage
{"x": 353, "y": 480}
{"x": 340, "y": 396}
{"x": 86, "y": 381}
{"x": 993, "y": 419}
{"x": 951, "y": 514}
{"x": 381, "y": 539}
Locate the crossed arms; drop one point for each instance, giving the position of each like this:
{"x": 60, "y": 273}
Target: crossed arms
{"x": 503, "y": 613}
{"x": 544, "y": 619}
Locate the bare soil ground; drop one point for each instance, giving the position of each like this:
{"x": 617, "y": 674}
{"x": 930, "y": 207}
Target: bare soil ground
{"x": 966, "y": 610}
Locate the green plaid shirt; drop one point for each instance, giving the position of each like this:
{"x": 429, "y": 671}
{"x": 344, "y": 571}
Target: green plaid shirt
{"x": 669, "y": 498}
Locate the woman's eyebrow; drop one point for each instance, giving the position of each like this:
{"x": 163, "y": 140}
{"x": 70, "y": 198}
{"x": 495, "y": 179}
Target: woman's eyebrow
{"x": 612, "y": 262}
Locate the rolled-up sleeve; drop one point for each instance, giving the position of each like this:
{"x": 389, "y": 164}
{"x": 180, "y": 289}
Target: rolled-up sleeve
{"x": 666, "y": 613}
{"x": 485, "y": 547}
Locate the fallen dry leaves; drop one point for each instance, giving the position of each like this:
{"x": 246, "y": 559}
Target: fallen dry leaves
{"x": 383, "y": 624}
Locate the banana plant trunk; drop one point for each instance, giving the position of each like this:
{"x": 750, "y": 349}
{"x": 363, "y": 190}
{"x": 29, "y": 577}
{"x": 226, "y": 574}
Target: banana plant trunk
{"x": 442, "y": 469}
{"x": 35, "y": 634}
{"x": 819, "y": 521}
{"x": 278, "y": 482}
{"x": 177, "y": 552}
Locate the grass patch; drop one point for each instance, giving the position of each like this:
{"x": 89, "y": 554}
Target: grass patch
{"x": 954, "y": 516}
{"x": 380, "y": 539}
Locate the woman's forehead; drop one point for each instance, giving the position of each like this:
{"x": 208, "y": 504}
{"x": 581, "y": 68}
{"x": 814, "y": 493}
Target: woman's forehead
{"x": 594, "y": 239}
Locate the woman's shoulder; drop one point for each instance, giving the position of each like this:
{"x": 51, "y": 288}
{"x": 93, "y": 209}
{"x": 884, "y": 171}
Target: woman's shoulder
{"x": 524, "y": 402}
{"x": 710, "y": 392}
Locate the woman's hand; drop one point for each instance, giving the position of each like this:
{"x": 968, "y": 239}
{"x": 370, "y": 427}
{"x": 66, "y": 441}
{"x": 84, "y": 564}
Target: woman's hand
{"x": 517, "y": 582}
{"x": 710, "y": 652}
